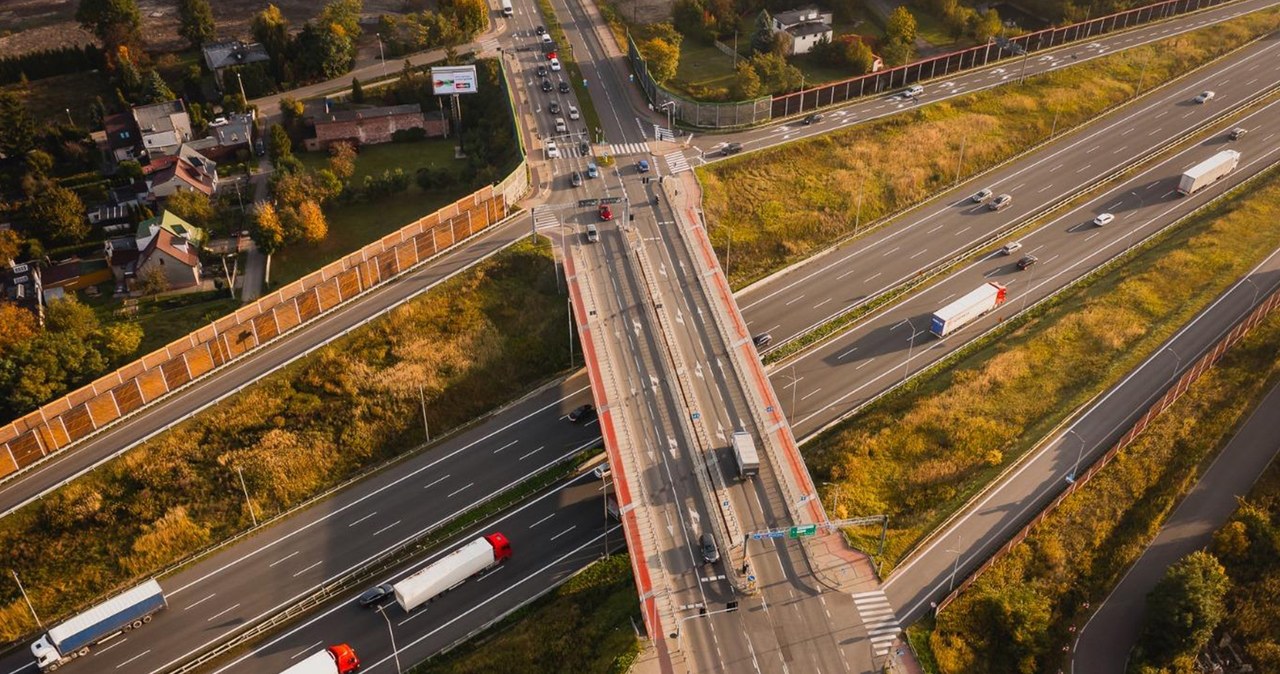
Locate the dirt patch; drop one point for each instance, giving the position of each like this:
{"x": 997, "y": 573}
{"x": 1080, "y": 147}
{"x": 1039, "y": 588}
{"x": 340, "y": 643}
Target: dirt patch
{"x": 27, "y": 25}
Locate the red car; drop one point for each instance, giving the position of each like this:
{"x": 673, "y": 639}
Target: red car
{"x": 605, "y": 212}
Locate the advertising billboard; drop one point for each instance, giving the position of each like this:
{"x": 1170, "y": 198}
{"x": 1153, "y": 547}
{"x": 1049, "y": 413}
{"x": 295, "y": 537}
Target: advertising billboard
{"x": 454, "y": 80}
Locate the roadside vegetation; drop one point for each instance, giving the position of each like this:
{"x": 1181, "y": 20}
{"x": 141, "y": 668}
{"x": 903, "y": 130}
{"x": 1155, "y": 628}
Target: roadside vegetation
{"x": 921, "y": 452}
{"x": 782, "y": 205}
{"x": 1018, "y": 616}
{"x": 469, "y": 345}
{"x": 582, "y": 626}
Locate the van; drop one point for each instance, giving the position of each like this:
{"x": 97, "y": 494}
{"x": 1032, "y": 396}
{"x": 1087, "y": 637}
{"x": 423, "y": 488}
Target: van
{"x": 506, "y": 8}
{"x": 561, "y": 127}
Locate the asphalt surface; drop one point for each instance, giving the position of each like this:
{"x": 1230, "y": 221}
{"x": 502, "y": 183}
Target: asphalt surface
{"x": 233, "y": 594}
{"x": 1112, "y": 631}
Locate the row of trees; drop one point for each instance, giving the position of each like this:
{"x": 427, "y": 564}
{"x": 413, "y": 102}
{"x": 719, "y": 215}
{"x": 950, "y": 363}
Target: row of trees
{"x": 962, "y": 21}
{"x": 325, "y": 47}
{"x": 49, "y": 62}
{"x": 452, "y": 23}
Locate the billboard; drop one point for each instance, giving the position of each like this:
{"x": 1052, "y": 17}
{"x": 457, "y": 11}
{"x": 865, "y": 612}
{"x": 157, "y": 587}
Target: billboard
{"x": 454, "y": 80}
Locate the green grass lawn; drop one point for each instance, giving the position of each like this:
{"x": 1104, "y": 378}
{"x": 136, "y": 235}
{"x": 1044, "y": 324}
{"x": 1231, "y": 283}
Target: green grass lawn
{"x": 162, "y": 321}
{"x": 704, "y": 70}
{"x": 931, "y": 29}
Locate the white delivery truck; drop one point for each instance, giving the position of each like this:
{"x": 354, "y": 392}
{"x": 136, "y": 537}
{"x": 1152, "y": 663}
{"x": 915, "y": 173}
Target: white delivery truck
{"x": 506, "y": 8}
{"x": 954, "y": 316}
{"x": 71, "y": 639}
{"x": 339, "y": 659}
{"x": 452, "y": 570}
{"x": 744, "y": 450}
{"x": 1208, "y": 171}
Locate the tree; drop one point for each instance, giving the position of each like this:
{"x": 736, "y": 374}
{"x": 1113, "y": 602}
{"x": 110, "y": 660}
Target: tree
{"x": 472, "y": 17}
{"x": 746, "y": 83}
{"x": 10, "y": 247}
{"x": 58, "y": 215}
{"x": 357, "y": 91}
{"x": 152, "y": 281}
{"x": 192, "y": 206}
{"x": 1184, "y": 609}
{"x": 762, "y": 39}
{"x": 115, "y": 22}
{"x": 17, "y": 126}
{"x": 987, "y": 26}
{"x": 197, "y": 22}
{"x": 268, "y": 232}
{"x": 859, "y": 57}
{"x": 39, "y": 163}
{"x": 130, "y": 170}
{"x": 342, "y": 160}
{"x": 312, "y": 227}
{"x": 663, "y": 59}
{"x": 291, "y": 109}
{"x": 271, "y": 29}
{"x": 775, "y": 73}
{"x": 324, "y": 50}
{"x": 154, "y": 89}
{"x": 900, "y": 36}
{"x": 278, "y": 144}
{"x": 19, "y": 326}
{"x": 346, "y": 15}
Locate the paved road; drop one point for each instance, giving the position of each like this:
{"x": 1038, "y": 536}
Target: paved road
{"x": 1105, "y": 641}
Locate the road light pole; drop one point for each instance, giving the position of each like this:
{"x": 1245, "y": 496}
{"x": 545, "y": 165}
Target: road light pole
{"x": 569, "y": 303}
{"x": 604, "y": 489}
{"x": 906, "y": 364}
{"x": 247, "y": 500}
{"x": 857, "y": 218}
{"x": 28, "y": 599}
{"x": 955, "y": 566}
{"x": 1177, "y": 366}
{"x": 795, "y": 384}
{"x": 382, "y": 56}
{"x": 1071, "y": 478}
{"x": 960, "y": 159}
{"x": 395, "y": 652}
{"x": 70, "y": 121}
{"x": 422, "y": 396}
{"x": 1256, "y": 289}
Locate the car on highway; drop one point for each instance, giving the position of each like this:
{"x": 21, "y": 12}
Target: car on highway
{"x": 593, "y": 171}
{"x": 582, "y": 413}
{"x": 1027, "y": 261}
{"x": 812, "y": 119}
{"x": 555, "y": 64}
{"x": 553, "y": 108}
{"x": 540, "y": 30}
{"x": 1000, "y": 203}
{"x": 642, "y": 166}
{"x": 762, "y": 340}
{"x": 1103, "y": 219}
{"x": 576, "y": 179}
{"x": 1009, "y": 248}
{"x": 553, "y": 152}
{"x": 707, "y": 546}
{"x": 1237, "y": 132}
{"x": 573, "y": 112}
{"x": 602, "y": 471}
{"x": 584, "y": 149}
{"x": 606, "y": 213}
{"x": 731, "y": 148}
{"x": 911, "y": 92}
{"x": 1205, "y": 97}
{"x": 374, "y": 595}
{"x": 981, "y": 195}
{"x": 542, "y": 71}
{"x": 564, "y": 87}
{"x": 561, "y": 127}
{"x": 546, "y": 39}
{"x": 546, "y": 85}
{"x": 593, "y": 234}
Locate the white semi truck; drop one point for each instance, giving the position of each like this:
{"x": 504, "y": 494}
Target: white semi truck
{"x": 744, "y": 450}
{"x": 72, "y": 638}
{"x": 452, "y": 570}
{"x": 1208, "y": 171}
{"x": 952, "y": 317}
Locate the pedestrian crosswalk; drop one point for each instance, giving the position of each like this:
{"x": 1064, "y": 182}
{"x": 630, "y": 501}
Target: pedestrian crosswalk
{"x": 619, "y": 149}
{"x": 676, "y": 162}
{"x": 545, "y": 219}
{"x": 663, "y": 133}
{"x": 877, "y": 615}
{"x": 489, "y": 44}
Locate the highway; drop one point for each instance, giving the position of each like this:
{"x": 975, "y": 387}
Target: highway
{"x": 1111, "y": 632}
{"x": 544, "y": 410}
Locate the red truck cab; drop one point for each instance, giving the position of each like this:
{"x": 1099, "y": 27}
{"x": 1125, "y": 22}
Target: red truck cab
{"x": 501, "y": 546}
{"x": 344, "y": 657}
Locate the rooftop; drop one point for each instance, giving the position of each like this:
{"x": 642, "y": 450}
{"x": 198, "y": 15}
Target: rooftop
{"x": 234, "y": 53}
{"x": 370, "y": 113}
{"x": 158, "y": 116}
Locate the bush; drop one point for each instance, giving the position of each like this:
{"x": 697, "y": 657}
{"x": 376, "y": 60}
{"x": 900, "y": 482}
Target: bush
{"x": 408, "y": 135}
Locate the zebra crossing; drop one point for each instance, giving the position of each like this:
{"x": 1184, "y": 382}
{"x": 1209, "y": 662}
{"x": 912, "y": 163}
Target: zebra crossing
{"x": 676, "y": 162}
{"x": 877, "y": 615}
{"x": 619, "y": 149}
{"x": 544, "y": 219}
{"x": 663, "y": 133}
{"x": 489, "y": 44}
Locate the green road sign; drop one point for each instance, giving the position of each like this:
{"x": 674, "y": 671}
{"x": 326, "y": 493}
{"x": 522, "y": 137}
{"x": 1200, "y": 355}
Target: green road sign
{"x": 804, "y": 530}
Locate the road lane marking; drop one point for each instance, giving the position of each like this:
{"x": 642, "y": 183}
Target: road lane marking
{"x": 299, "y": 573}
{"x": 386, "y": 527}
{"x": 563, "y": 532}
{"x": 542, "y": 520}
{"x": 291, "y": 554}
{"x": 133, "y": 658}
{"x": 200, "y": 601}
{"x": 222, "y": 612}
{"x": 505, "y": 446}
{"x": 459, "y": 490}
{"x": 362, "y": 519}
{"x": 437, "y": 481}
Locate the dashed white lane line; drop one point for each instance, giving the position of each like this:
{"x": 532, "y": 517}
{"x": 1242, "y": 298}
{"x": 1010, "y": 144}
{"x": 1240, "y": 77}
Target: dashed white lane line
{"x": 362, "y": 519}
{"x": 460, "y": 490}
{"x": 436, "y": 482}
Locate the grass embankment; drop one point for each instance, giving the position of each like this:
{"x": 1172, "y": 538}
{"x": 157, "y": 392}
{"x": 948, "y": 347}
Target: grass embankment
{"x": 784, "y": 204}
{"x": 472, "y": 343}
{"x": 1017, "y": 616}
{"x": 583, "y": 626}
{"x": 923, "y": 451}
{"x": 1249, "y": 547}
{"x": 572, "y": 72}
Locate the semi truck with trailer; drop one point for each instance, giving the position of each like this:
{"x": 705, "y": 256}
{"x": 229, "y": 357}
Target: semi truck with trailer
{"x": 452, "y": 570}
{"x": 744, "y": 450}
{"x": 73, "y": 637}
{"x": 954, "y": 316}
{"x": 1208, "y": 171}
{"x": 336, "y": 659}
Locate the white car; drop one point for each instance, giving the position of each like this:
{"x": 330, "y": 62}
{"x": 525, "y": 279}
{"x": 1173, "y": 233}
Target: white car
{"x": 1010, "y": 247}
{"x": 553, "y": 152}
{"x": 982, "y": 195}
{"x": 1103, "y": 219}
{"x": 555, "y": 64}
{"x": 1205, "y": 97}
{"x": 573, "y": 112}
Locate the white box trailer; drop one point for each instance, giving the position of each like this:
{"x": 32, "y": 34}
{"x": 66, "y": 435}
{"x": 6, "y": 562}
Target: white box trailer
{"x": 954, "y": 316}
{"x": 744, "y": 450}
{"x": 1208, "y": 171}
{"x": 73, "y": 637}
{"x": 451, "y": 570}
{"x": 338, "y": 659}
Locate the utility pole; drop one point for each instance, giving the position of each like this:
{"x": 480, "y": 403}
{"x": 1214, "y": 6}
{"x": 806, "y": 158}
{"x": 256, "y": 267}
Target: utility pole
{"x": 857, "y": 220}
{"x": 422, "y": 396}
{"x": 960, "y": 159}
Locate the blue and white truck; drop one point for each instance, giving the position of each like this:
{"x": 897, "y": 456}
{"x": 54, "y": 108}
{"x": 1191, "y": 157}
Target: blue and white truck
{"x": 124, "y": 612}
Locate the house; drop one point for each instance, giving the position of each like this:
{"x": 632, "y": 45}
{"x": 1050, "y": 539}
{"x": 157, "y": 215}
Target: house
{"x": 122, "y": 137}
{"x": 227, "y": 135}
{"x": 73, "y": 274}
{"x": 804, "y": 28}
{"x": 168, "y": 222}
{"x": 163, "y": 127}
{"x": 187, "y": 170}
{"x": 174, "y": 256}
{"x": 20, "y": 283}
{"x": 218, "y": 57}
{"x": 370, "y": 126}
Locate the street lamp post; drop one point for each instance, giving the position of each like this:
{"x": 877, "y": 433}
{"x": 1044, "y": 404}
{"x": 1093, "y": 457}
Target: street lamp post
{"x": 1178, "y": 365}
{"x": 906, "y": 364}
{"x": 795, "y": 384}
{"x": 249, "y": 502}
{"x": 394, "y": 651}
{"x": 28, "y": 599}
{"x": 569, "y": 303}
{"x": 70, "y": 121}
{"x": 422, "y": 396}
{"x": 955, "y": 566}
{"x": 1256, "y": 289}
{"x": 604, "y": 489}
{"x": 960, "y": 159}
{"x": 1079, "y": 454}
{"x": 381, "y": 55}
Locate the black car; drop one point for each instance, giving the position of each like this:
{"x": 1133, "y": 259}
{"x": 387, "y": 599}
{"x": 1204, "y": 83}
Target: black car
{"x": 812, "y": 119}
{"x": 731, "y": 148}
{"x": 762, "y": 340}
{"x": 374, "y": 595}
{"x": 540, "y": 30}
{"x": 584, "y": 148}
{"x": 546, "y": 85}
{"x": 582, "y": 413}
{"x": 707, "y": 545}
{"x": 1027, "y": 261}
{"x": 553, "y": 108}
{"x": 564, "y": 87}
{"x": 542, "y": 71}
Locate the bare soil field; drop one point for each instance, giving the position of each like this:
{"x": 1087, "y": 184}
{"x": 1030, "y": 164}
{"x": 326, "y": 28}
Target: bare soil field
{"x": 27, "y": 25}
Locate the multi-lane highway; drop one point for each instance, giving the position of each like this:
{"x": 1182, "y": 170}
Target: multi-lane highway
{"x": 341, "y": 542}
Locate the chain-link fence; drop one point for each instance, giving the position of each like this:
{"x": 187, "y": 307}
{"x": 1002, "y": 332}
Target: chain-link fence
{"x": 695, "y": 113}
